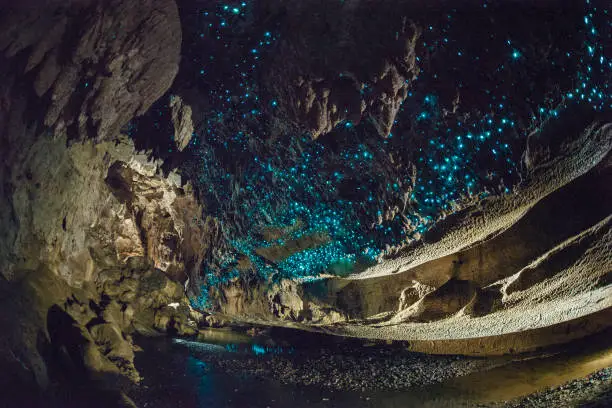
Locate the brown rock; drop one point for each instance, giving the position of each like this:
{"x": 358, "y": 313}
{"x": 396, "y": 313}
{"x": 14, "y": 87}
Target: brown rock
{"x": 183, "y": 125}
{"x": 99, "y": 65}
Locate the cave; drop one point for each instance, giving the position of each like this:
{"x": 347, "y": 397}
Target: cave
{"x": 308, "y": 203}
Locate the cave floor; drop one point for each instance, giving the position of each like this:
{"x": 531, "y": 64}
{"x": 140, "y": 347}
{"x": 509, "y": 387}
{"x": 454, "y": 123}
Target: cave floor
{"x": 296, "y": 369}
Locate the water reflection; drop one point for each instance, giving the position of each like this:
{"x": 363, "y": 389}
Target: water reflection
{"x": 199, "y": 346}
{"x": 526, "y": 377}
{"x": 224, "y": 336}
{"x": 260, "y": 350}
{"x": 240, "y": 348}
{"x": 184, "y": 373}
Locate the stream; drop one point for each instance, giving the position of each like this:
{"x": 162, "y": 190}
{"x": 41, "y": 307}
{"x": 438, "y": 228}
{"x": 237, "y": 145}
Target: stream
{"x": 295, "y": 369}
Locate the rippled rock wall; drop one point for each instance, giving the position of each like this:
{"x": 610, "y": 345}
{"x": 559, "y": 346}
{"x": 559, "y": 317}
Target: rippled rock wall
{"x": 459, "y": 90}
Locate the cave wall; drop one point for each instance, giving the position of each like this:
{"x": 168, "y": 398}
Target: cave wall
{"x": 525, "y": 260}
{"x": 468, "y": 89}
{"x": 97, "y": 241}
{"x": 492, "y": 107}
{"x": 347, "y": 166}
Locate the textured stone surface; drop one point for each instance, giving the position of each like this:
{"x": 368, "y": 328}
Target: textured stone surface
{"x": 183, "y": 123}
{"x": 118, "y": 249}
{"x": 95, "y": 237}
{"x": 107, "y": 240}
{"x": 326, "y": 72}
{"x": 512, "y": 266}
{"x": 94, "y": 65}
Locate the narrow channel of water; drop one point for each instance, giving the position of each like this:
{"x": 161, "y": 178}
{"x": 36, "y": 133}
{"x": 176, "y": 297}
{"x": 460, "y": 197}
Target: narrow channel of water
{"x": 180, "y": 373}
{"x": 521, "y": 378}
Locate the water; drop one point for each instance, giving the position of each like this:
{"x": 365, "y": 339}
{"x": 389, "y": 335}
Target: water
{"x": 179, "y": 373}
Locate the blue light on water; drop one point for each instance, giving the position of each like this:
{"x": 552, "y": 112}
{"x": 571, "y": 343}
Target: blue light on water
{"x": 258, "y": 350}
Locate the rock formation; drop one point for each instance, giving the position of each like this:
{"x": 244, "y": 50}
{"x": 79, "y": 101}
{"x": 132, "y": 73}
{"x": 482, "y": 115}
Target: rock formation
{"x": 96, "y": 240}
{"x": 511, "y": 266}
{"x": 388, "y": 170}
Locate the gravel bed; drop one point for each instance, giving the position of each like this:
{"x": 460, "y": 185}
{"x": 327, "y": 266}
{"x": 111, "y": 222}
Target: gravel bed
{"x": 366, "y": 370}
{"x": 345, "y": 375}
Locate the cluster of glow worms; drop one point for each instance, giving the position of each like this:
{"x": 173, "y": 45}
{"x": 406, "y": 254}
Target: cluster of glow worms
{"x": 467, "y": 121}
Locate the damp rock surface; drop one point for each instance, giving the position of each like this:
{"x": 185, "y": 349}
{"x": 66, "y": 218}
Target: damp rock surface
{"x": 96, "y": 239}
{"x": 92, "y": 66}
{"x": 427, "y": 172}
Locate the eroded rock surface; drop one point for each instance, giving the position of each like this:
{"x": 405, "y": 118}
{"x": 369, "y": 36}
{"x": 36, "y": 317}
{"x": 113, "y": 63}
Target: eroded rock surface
{"x": 102, "y": 241}
{"x": 93, "y": 65}
{"x": 119, "y": 249}
{"x": 97, "y": 241}
{"x": 513, "y": 266}
{"x": 324, "y": 85}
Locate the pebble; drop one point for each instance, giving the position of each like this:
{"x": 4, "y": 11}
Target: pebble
{"x": 353, "y": 370}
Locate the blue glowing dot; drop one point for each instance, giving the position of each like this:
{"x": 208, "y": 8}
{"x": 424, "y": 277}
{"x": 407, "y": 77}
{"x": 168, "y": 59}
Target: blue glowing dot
{"x": 442, "y": 165}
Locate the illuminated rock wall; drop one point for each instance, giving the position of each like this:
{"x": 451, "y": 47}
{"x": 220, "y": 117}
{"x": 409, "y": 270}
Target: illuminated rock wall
{"x": 366, "y": 123}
